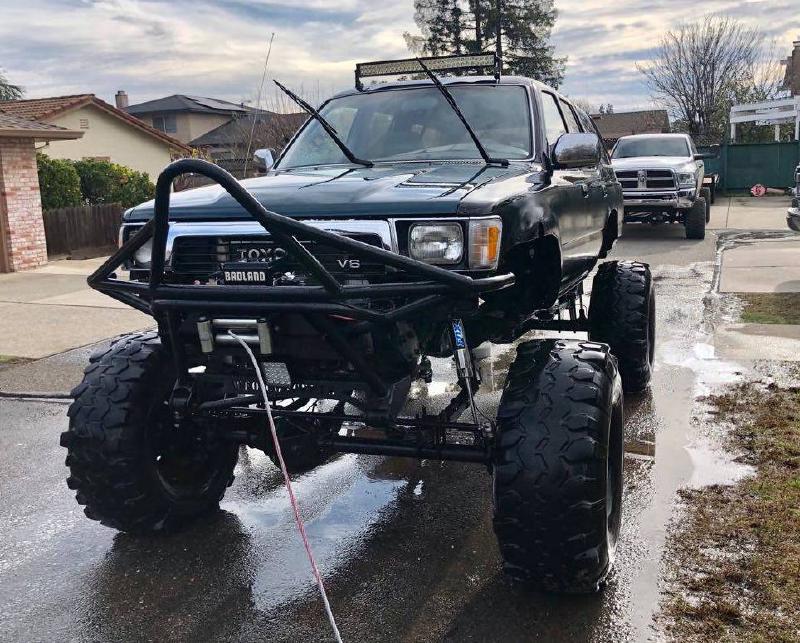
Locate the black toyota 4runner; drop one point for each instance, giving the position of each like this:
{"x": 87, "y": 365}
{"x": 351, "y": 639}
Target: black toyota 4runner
{"x": 404, "y": 221}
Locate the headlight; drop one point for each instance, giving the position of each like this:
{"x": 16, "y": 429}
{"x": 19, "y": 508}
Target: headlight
{"x": 441, "y": 244}
{"x": 143, "y": 255}
{"x": 484, "y": 243}
{"x": 686, "y": 178}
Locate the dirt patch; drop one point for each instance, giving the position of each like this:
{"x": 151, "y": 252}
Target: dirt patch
{"x": 771, "y": 308}
{"x": 734, "y": 562}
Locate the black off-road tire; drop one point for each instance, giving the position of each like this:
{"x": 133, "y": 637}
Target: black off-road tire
{"x": 622, "y": 314}
{"x": 706, "y": 194}
{"x": 694, "y": 220}
{"x": 119, "y": 425}
{"x": 558, "y": 466}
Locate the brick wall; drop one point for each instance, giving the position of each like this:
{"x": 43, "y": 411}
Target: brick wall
{"x": 20, "y": 206}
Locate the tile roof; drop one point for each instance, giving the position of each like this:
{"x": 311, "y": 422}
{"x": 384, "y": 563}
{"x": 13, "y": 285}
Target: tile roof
{"x": 39, "y": 108}
{"x": 12, "y": 125}
{"x": 618, "y": 124}
{"x": 45, "y": 108}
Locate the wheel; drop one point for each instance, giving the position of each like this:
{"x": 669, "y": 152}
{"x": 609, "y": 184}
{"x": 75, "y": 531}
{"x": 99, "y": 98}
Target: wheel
{"x": 695, "y": 220}
{"x": 622, "y": 314}
{"x": 131, "y": 467}
{"x": 558, "y": 465}
{"x": 299, "y": 445}
{"x": 706, "y": 194}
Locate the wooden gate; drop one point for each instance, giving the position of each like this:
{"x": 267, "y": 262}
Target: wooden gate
{"x": 87, "y": 231}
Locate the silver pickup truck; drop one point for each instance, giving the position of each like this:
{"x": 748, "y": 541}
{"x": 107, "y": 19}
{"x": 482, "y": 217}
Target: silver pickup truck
{"x": 793, "y": 214}
{"x": 662, "y": 181}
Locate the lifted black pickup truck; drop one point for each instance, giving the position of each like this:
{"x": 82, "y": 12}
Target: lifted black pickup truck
{"x": 405, "y": 221}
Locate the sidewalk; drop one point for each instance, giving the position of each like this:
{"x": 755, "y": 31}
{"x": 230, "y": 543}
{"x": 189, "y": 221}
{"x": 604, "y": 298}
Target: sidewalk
{"x": 51, "y": 309}
{"x": 762, "y": 265}
{"x": 758, "y": 265}
{"x": 749, "y": 213}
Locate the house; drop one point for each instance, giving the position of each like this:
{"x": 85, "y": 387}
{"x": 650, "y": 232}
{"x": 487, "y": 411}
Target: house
{"x": 232, "y": 144}
{"x": 22, "y": 240}
{"x": 618, "y": 124}
{"x": 183, "y": 117}
{"x": 791, "y": 79}
{"x": 108, "y": 133}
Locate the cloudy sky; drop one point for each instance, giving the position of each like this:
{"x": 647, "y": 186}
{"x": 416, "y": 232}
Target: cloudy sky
{"x": 153, "y": 48}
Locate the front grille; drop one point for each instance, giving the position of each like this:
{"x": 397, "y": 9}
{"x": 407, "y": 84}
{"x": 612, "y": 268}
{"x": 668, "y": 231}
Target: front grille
{"x": 653, "y": 179}
{"x": 201, "y": 257}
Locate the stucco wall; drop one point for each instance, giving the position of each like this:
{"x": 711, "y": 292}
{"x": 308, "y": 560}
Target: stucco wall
{"x": 199, "y": 124}
{"x": 109, "y": 137}
{"x": 188, "y": 125}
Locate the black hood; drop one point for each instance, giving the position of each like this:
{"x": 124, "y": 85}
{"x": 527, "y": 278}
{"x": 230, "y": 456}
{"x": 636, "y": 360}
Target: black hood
{"x": 384, "y": 190}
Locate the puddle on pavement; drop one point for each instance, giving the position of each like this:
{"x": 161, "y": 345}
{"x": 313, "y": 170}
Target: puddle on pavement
{"x": 339, "y": 502}
{"x": 714, "y": 466}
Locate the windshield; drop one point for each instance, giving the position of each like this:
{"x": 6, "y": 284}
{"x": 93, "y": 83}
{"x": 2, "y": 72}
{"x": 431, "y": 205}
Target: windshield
{"x": 418, "y": 124}
{"x": 628, "y": 148}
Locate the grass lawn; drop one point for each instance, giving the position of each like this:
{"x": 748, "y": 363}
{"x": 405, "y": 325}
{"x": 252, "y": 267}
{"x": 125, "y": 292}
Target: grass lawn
{"x": 771, "y": 308}
{"x": 734, "y": 572}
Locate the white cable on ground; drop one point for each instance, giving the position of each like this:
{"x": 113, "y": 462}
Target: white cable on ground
{"x": 300, "y": 526}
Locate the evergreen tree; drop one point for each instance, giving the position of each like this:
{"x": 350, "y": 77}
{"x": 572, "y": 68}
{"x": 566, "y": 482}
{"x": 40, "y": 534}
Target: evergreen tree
{"x": 9, "y": 91}
{"x": 517, "y": 30}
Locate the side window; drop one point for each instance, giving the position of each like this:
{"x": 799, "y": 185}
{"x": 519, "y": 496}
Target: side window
{"x": 586, "y": 121}
{"x": 590, "y": 126}
{"x": 553, "y": 122}
{"x": 572, "y": 123}
{"x": 692, "y": 147}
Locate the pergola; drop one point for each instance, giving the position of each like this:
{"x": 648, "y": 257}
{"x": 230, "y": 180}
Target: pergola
{"x": 770, "y": 112}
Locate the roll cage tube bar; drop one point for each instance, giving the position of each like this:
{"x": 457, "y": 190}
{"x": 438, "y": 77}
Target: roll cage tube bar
{"x": 328, "y": 297}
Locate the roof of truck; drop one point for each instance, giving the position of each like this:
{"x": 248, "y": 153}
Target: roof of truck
{"x": 448, "y": 80}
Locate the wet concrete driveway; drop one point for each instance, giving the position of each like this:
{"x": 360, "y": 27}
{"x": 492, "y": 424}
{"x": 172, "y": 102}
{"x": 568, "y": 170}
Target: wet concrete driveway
{"x": 406, "y": 548}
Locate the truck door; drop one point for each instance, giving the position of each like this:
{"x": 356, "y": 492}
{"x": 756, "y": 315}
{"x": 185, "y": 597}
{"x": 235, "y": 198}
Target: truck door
{"x": 570, "y": 201}
{"x": 596, "y": 192}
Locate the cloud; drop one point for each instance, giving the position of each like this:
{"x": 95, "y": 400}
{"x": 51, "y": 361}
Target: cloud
{"x": 605, "y": 40}
{"x": 153, "y": 48}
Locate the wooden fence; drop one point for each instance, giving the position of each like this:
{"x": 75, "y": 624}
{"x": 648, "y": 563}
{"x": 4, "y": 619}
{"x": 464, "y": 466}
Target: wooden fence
{"x": 83, "y": 231}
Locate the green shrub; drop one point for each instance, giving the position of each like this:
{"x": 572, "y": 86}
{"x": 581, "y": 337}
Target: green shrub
{"x": 59, "y": 182}
{"x": 106, "y": 182}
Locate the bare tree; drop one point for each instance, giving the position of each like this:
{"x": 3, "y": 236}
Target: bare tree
{"x": 584, "y": 104}
{"x": 699, "y": 70}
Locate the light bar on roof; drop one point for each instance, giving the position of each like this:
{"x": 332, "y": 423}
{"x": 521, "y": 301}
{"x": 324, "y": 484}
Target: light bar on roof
{"x": 435, "y": 63}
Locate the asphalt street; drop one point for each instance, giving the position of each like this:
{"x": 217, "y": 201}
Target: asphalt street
{"x": 406, "y": 548}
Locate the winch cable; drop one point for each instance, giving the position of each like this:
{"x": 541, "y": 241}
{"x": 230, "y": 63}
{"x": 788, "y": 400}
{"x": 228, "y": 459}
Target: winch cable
{"x": 300, "y": 525}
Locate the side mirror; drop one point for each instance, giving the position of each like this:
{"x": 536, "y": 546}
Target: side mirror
{"x": 703, "y": 156}
{"x": 576, "y": 150}
{"x": 263, "y": 159}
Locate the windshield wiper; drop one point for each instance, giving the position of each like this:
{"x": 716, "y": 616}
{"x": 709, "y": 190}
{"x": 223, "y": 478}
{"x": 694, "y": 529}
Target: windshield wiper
{"x": 325, "y": 125}
{"x": 452, "y": 102}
